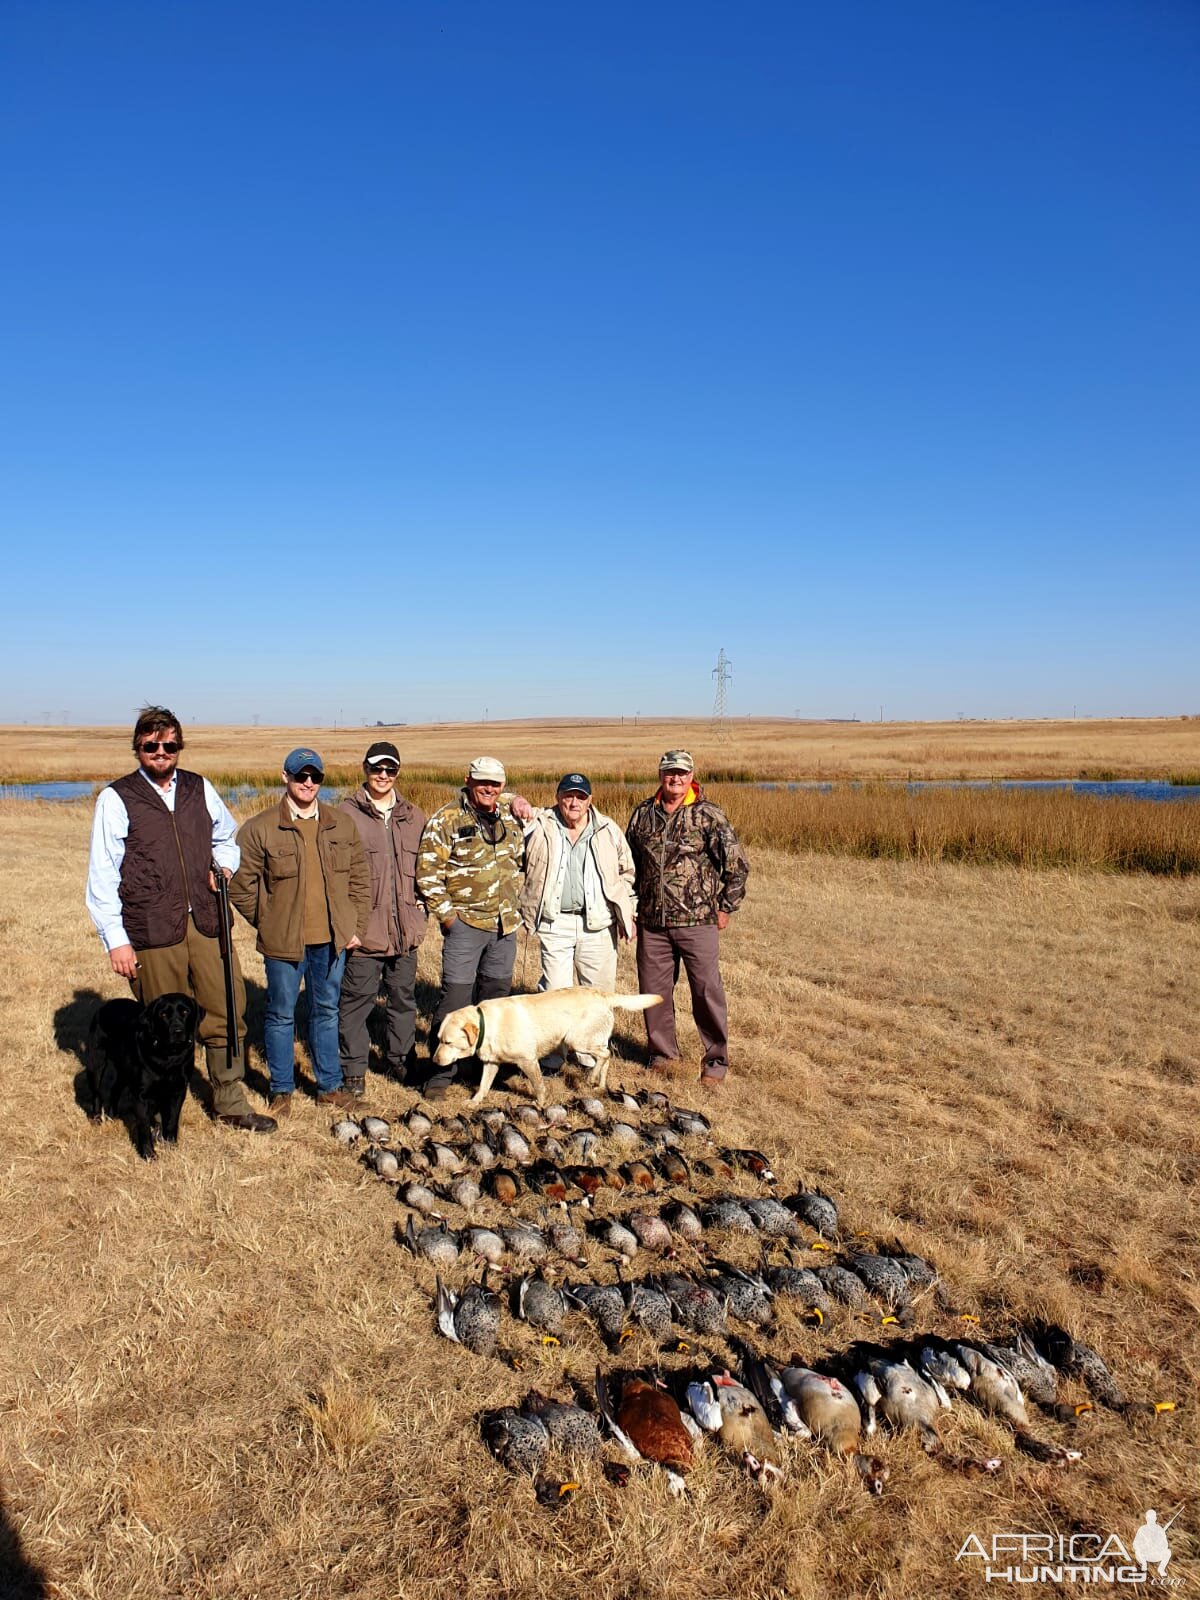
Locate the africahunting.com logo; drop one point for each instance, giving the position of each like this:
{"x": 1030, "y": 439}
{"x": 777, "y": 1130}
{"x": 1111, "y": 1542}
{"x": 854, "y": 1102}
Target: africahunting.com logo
{"x": 1102, "y": 1558}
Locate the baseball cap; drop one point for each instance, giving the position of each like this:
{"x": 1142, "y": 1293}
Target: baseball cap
{"x": 574, "y": 781}
{"x": 677, "y": 761}
{"x": 486, "y": 769}
{"x": 381, "y": 750}
{"x": 295, "y": 762}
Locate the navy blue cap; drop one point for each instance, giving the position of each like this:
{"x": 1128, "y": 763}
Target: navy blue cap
{"x": 576, "y": 781}
{"x": 295, "y": 762}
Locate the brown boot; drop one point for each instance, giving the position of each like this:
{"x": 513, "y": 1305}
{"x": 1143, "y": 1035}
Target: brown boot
{"x": 339, "y": 1098}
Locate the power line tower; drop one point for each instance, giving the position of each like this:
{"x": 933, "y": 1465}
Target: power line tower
{"x": 723, "y": 673}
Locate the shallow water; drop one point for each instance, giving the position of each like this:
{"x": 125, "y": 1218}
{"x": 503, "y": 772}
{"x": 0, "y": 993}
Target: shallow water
{"x": 1120, "y": 788}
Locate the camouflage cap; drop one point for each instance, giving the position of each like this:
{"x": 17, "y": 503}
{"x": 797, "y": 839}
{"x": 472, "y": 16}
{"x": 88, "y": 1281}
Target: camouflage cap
{"x": 485, "y": 769}
{"x": 677, "y": 761}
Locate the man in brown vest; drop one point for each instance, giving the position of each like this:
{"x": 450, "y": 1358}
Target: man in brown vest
{"x": 305, "y": 885}
{"x": 151, "y": 895}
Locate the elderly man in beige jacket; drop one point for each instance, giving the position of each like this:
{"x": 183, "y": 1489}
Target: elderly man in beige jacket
{"x": 577, "y": 895}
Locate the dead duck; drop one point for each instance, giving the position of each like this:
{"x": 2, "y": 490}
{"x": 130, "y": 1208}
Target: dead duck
{"x": 509, "y": 1142}
{"x": 504, "y": 1185}
{"x": 692, "y": 1124}
{"x": 651, "y": 1232}
{"x": 773, "y": 1219}
{"x": 376, "y": 1129}
{"x": 595, "y": 1110}
{"x": 624, "y": 1133}
{"x": 613, "y": 1233}
{"x": 418, "y": 1123}
{"x": 653, "y": 1099}
{"x": 347, "y": 1131}
{"x": 483, "y": 1243}
{"x": 726, "y": 1212}
{"x": 845, "y": 1286}
{"x": 816, "y": 1209}
{"x": 885, "y": 1278}
{"x": 824, "y": 1408}
{"x": 442, "y": 1159}
{"x": 571, "y": 1428}
{"x": 922, "y": 1274}
{"x": 545, "y": 1177}
{"x": 752, "y": 1161}
{"x": 481, "y": 1155}
{"x": 648, "y": 1307}
{"x": 518, "y": 1442}
{"x": 384, "y": 1164}
{"x": 673, "y": 1167}
{"x": 541, "y": 1304}
{"x": 621, "y": 1098}
{"x": 437, "y": 1244}
{"x": 659, "y": 1137}
{"x": 697, "y": 1306}
{"x": 604, "y": 1303}
{"x": 648, "y": 1425}
{"x": 589, "y": 1179}
{"x": 471, "y": 1318}
{"x": 746, "y": 1296}
{"x": 562, "y": 1234}
{"x": 419, "y": 1196}
{"x": 638, "y": 1174}
{"x": 799, "y": 1283}
{"x": 463, "y": 1191}
{"x": 523, "y": 1240}
{"x": 682, "y": 1220}
{"x": 1037, "y": 1377}
{"x": 582, "y": 1142}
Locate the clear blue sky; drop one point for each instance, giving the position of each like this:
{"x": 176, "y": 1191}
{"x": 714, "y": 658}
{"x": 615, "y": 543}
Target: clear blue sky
{"x": 400, "y": 360}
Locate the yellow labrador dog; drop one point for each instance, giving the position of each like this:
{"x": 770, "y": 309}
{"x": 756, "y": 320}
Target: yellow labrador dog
{"x": 521, "y": 1028}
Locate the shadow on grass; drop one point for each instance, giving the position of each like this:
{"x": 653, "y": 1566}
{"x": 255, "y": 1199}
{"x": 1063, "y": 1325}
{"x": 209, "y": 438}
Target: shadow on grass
{"x": 19, "y": 1578}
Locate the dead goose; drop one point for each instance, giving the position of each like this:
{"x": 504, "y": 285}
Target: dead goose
{"x": 744, "y": 1430}
{"x": 998, "y": 1393}
{"x": 905, "y": 1399}
{"x": 824, "y": 1408}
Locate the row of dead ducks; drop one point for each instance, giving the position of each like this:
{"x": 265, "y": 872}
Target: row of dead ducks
{"x": 909, "y": 1385}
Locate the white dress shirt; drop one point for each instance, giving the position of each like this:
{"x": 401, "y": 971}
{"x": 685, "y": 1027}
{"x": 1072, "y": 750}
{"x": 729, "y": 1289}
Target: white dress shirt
{"x": 110, "y": 829}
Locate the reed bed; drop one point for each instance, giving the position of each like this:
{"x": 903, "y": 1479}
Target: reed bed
{"x": 986, "y": 827}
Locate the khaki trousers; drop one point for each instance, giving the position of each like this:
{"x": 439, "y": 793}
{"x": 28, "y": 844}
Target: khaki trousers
{"x": 570, "y": 954}
{"x": 193, "y": 966}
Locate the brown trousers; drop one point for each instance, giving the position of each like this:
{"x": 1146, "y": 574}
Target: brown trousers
{"x": 193, "y": 966}
{"x": 659, "y": 953}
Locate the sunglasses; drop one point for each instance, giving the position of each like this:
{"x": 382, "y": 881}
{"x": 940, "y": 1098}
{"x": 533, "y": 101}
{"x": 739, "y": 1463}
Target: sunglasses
{"x": 389, "y": 767}
{"x": 152, "y": 746}
{"x": 309, "y": 776}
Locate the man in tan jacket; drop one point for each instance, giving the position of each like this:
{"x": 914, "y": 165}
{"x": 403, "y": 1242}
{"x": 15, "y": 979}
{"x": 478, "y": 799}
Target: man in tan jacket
{"x": 304, "y": 884}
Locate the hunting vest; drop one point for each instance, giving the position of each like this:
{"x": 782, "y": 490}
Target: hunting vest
{"x": 167, "y": 857}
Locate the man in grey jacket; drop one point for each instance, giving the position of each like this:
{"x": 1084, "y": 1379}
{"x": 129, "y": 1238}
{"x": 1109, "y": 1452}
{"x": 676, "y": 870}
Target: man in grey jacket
{"x": 390, "y": 829}
{"x": 577, "y": 896}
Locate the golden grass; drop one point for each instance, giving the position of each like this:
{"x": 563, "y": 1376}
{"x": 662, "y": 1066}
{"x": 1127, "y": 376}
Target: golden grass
{"x": 220, "y": 1377}
{"x": 746, "y": 747}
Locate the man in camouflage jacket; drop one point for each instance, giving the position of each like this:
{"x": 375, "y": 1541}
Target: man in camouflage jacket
{"x": 691, "y": 877}
{"x": 469, "y": 876}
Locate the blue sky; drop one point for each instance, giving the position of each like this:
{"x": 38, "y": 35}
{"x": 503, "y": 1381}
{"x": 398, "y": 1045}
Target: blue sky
{"x": 404, "y": 360}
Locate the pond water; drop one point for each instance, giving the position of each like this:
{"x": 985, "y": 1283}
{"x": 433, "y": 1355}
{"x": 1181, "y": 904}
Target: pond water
{"x": 1123, "y": 788}
{"x": 1119, "y": 788}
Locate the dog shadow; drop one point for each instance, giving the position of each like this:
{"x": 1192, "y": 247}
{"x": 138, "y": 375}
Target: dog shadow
{"x": 71, "y": 1024}
{"x": 19, "y": 1578}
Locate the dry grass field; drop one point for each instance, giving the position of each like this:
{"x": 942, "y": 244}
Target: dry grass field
{"x": 220, "y": 1378}
{"x": 748, "y": 747}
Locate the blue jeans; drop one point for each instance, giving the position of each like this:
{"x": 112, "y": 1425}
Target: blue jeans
{"x": 322, "y": 974}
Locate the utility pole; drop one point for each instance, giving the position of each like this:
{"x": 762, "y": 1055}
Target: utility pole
{"x": 723, "y": 673}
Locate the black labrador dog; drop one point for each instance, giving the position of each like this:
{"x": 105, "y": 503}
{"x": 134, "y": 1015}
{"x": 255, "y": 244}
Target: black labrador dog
{"x": 138, "y": 1062}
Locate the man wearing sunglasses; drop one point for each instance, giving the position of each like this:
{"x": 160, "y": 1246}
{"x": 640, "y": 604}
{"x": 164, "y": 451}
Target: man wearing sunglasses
{"x": 390, "y": 829}
{"x": 304, "y": 884}
{"x": 469, "y": 875}
{"x": 151, "y": 894}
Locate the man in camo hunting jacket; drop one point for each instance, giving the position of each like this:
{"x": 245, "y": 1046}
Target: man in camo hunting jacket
{"x": 469, "y": 876}
{"x": 691, "y": 877}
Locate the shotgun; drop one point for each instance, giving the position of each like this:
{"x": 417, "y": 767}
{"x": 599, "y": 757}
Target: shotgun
{"x": 225, "y": 940}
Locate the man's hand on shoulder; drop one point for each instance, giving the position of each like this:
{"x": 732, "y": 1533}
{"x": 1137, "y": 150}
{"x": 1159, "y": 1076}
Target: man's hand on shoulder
{"x": 521, "y": 808}
{"x": 124, "y": 961}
